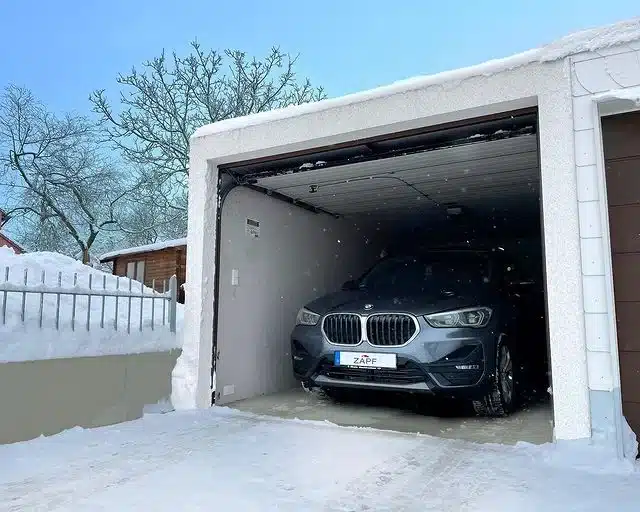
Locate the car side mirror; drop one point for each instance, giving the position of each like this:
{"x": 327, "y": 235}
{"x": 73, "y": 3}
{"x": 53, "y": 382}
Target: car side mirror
{"x": 350, "y": 286}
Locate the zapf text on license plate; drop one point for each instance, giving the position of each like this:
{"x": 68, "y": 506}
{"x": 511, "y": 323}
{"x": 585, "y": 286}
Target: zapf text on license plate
{"x": 365, "y": 359}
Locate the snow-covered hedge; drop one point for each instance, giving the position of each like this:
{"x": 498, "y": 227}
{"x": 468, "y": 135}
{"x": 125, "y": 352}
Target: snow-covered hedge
{"x": 24, "y": 341}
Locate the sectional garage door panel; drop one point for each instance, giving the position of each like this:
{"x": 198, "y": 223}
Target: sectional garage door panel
{"x": 627, "y": 314}
{"x": 621, "y": 136}
{"x": 626, "y": 277}
{"x": 632, "y": 413}
{"x": 621, "y": 139}
{"x": 629, "y": 375}
{"x": 623, "y": 181}
{"x": 625, "y": 228}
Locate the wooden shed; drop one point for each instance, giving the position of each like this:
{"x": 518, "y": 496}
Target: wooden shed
{"x": 147, "y": 263}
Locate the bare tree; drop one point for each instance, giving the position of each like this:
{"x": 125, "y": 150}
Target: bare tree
{"x": 145, "y": 220}
{"x": 63, "y": 188}
{"x": 164, "y": 103}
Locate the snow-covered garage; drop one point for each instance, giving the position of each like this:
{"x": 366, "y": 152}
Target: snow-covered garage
{"x": 286, "y": 206}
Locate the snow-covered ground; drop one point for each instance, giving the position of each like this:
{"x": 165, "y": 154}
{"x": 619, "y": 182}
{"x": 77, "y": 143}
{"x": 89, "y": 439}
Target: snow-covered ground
{"x": 25, "y": 341}
{"x": 219, "y": 459}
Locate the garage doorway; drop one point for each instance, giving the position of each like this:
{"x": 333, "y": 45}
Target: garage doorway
{"x": 296, "y": 227}
{"x": 621, "y": 144}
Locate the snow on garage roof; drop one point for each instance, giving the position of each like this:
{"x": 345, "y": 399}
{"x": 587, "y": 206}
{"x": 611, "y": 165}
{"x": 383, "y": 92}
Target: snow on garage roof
{"x": 584, "y": 41}
{"x": 167, "y": 244}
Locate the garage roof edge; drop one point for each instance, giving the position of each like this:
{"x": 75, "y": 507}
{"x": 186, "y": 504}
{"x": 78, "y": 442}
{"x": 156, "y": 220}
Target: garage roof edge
{"x": 579, "y": 42}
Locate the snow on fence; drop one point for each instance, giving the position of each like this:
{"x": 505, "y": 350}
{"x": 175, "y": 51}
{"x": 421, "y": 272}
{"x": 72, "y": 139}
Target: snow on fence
{"x": 166, "y": 314}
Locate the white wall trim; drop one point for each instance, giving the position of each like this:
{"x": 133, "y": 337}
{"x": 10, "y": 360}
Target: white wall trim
{"x": 606, "y": 106}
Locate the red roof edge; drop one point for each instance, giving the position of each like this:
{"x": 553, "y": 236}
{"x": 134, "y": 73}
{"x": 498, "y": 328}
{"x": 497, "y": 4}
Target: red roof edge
{"x": 7, "y": 242}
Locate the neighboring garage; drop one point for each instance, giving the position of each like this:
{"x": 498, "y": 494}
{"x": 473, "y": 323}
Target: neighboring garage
{"x": 621, "y": 140}
{"x": 286, "y": 206}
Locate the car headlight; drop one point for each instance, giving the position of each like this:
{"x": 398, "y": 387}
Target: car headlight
{"x": 470, "y": 317}
{"x": 306, "y": 317}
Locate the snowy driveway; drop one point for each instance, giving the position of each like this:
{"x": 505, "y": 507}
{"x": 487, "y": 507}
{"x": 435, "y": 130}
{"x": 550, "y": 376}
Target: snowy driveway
{"x": 224, "y": 460}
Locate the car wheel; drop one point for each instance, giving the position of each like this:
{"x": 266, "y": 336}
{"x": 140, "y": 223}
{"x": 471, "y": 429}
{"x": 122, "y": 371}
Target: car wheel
{"x": 501, "y": 399}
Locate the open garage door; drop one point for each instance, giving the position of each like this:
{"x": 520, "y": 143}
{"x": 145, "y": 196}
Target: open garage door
{"x": 461, "y": 202}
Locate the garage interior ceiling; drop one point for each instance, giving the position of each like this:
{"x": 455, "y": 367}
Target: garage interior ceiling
{"x": 483, "y": 177}
{"x": 490, "y": 170}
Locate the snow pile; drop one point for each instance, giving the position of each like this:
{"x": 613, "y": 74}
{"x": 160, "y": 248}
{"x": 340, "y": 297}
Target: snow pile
{"x": 167, "y": 244}
{"x": 629, "y": 440}
{"x": 572, "y": 44}
{"x": 26, "y": 341}
{"x": 184, "y": 377}
{"x": 184, "y": 381}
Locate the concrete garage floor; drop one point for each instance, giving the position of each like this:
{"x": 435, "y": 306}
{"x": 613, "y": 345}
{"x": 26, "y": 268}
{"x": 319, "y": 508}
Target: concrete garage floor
{"x": 533, "y": 423}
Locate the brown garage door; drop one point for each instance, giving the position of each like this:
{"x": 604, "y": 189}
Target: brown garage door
{"x": 621, "y": 138}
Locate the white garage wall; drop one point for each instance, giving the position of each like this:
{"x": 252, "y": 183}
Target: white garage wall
{"x": 595, "y": 76}
{"x": 298, "y": 256}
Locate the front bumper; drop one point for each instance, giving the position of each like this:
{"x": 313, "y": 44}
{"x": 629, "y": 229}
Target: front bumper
{"x": 453, "y": 362}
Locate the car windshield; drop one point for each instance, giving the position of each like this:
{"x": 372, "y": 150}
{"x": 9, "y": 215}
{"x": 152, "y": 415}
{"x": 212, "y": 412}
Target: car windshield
{"x": 433, "y": 272}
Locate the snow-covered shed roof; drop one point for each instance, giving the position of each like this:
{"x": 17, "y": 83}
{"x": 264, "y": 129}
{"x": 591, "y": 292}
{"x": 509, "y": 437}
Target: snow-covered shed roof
{"x": 158, "y": 246}
{"x": 589, "y": 40}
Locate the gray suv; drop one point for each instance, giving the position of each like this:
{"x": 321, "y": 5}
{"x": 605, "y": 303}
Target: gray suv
{"x": 447, "y": 322}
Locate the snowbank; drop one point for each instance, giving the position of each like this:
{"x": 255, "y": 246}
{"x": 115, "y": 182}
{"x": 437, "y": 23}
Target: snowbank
{"x": 27, "y": 341}
{"x": 167, "y": 244}
{"x": 572, "y": 44}
{"x": 184, "y": 383}
{"x": 629, "y": 441}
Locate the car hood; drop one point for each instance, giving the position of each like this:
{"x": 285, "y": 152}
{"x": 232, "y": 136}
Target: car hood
{"x": 422, "y": 303}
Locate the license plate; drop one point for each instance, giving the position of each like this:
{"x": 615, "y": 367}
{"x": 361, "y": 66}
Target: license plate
{"x": 365, "y": 360}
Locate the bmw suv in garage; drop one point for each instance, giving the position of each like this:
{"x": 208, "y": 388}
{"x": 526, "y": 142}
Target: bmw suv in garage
{"x": 446, "y": 322}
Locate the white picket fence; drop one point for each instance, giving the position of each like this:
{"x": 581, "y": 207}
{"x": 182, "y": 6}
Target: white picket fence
{"x": 163, "y": 305}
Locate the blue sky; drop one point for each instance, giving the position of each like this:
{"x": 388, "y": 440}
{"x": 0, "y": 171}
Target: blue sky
{"x": 63, "y": 50}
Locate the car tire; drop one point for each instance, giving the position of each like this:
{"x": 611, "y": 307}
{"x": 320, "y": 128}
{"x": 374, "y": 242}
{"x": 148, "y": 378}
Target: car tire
{"x": 501, "y": 399}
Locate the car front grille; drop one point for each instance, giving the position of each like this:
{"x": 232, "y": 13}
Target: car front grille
{"x": 407, "y": 373}
{"x": 390, "y": 329}
{"x": 343, "y": 328}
